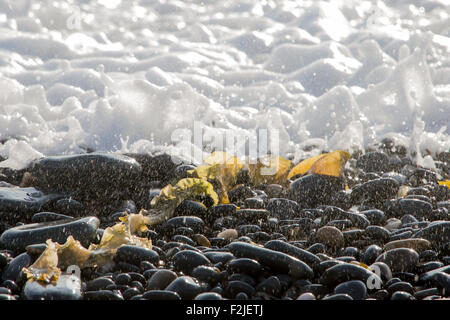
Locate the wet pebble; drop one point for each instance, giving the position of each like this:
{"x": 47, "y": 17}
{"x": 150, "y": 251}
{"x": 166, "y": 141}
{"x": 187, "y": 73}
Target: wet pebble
{"x": 345, "y": 272}
{"x": 14, "y": 268}
{"x": 187, "y": 260}
{"x": 400, "y": 259}
{"x": 244, "y": 265}
{"x": 373, "y": 162}
{"x": 354, "y": 288}
{"x": 186, "y": 287}
{"x": 161, "y": 279}
{"x": 136, "y": 254}
{"x": 416, "y": 244}
{"x": 330, "y": 236}
{"x": 208, "y": 296}
{"x": 235, "y": 287}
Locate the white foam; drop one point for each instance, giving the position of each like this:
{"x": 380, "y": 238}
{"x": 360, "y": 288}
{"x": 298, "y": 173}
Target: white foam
{"x": 122, "y": 76}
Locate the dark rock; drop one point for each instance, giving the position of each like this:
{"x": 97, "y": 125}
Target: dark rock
{"x": 241, "y": 193}
{"x": 187, "y": 287}
{"x": 373, "y": 162}
{"x": 242, "y": 277}
{"x": 371, "y": 254}
{"x": 207, "y": 274}
{"x": 13, "y": 269}
{"x": 428, "y": 255}
{"x": 181, "y": 171}
{"x": 303, "y": 255}
{"x": 427, "y": 278}
{"x": 334, "y": 213}
{"x": 384, "y": 272}
{"x": 312, "y": 190}
{"x": 190, "y": 208}
{"x": 99, "y": 284}
{"x": 417, "y": 208}
{"x": 401, "y": 286}
{"x": 270, "y": 286}
{"x": 244, "y": 265}
{"x": 277, "y": 261}
{"x": 377, "y": 233}
{"x": 354, "y": 288}
{"x": 442, "y": 280}
{"x": 12, "y": 286}
{"x": 408, "y": 218}
{"x": 103, "y": 295}
{"x": 161, "y": 295}
{"x": 93, "y": 175}
{"x": 70, "y": 207}
{"x": 123, "y": 279}
{"x": 316, "y": 248}
{"x": 83, "y": 229}
{"x": 135, "y": 254}
{"x": 340, "y": 224}
{"x": 248, "y": 228}
{"x": 283, "y": 208}
{"x": 161, "y": 279}
{"x": 235, "y": 287}
{"x": 254, "y": 203}
{"x": 345, "y": 272}
{"x": 400, "y": 259}
{"x": 218, "y": 256}
{"x": 375, "y": 216}
{"x": 195, "y": 223}
{"x": 339, "y": 296}
{"x": 183, "y": 239}
{"x": 252, "y": 215}
{"x": 376, "y": 191}
{"x": 130, "y": 293}
{"x": 401, "y": 295}
{"x": 426, "y": 293}
{"x": 220, "y": 211}
{"x": 208, "y": 296}
{"x": 187, "y": 260}
{"x": 21, "y": 203}
{"x": 48, "y": 216}
{"x": 437, "y": 232}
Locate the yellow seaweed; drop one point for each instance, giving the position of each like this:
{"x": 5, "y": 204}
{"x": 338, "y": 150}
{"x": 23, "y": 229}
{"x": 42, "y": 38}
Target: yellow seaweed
{"x": 445, "y": 183}
{"x": 276, "y": 172}
{"x": 330, "y": 164}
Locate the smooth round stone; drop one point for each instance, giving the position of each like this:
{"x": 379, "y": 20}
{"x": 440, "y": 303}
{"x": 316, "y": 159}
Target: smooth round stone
{"x": 190, "y": 208}
{"x": 373, "y": 162}
{"x": 83, "y": 229}
{"x": 228, "y": 234}
{"x": 437, "y": 232}
{"x": 428, "y": 255}
{"x": 235, "y": 287}
{"x": 339, "y": 296}
{"x": 69, "y": 206}
{"x": 4, "y": 290}
{"x": 22, "y": 202}
{"x": 161, "y": 295}
{"x": 240, "y": 193}
{"x": 208, "y": 296}
{"x": 67, "y": 287}
{"x": 377, "y": 233}
{"x": 122, "y": 279}
{"x": 3, "y": 261}
{"x": 401, "y": 295}
{"x": 220, "y": 211}
{"x": 195, "y": 223}
{"x": 186, "y": 287}
{"x": 283, "y": 208}
{"x": 275, "y": 260}
{"x": 219, "y": 256}
{"x": 103, "y": 295}
{"x": 340, "y": 224}
{"x": 273, "y": 190}
{"x": 252, "y": 215}
{"x": 375, "y": 216}
{"x": 371, "y": 254}
{"x": 201, "y": 240}
{"x": 207, "y": 274}
{"x": 401, "y": 286}
{"x": 400, "y": 259}
{"x": 254, "y": 203}
{"x": 99, "y": 284}
{"x": 161, "y": 279}
{"x": 181, "y": 171}
{"x": 377, "y": 190}
{"x": 400, "y": 236}
{"x": 442, "y": 280}
{"x": 316, "y": 248}
{"x": 416, "y": 244}
{"x": 248, "y": 228}
{"x": 354, "y": 288}
{"x": 306, "y": 296}
{"x": 417, "y": 208}
{"x": 130, "y": 293}
{"x": 334, "y": 213}
{"x": 14, "y": 267}
{"x": 242, "y": 277}
{"x": 307, "y": 257}
{"x": 244, "y": 265}
{"x": 48, "y": 216}
{"x": 6, "y": 297}
{"x": 187, "y": 260}
{"x": 304, "y": 189}
{"x": 183, "y": 239}
{"x": 346, "y": 272}
{"x": 426, "y": 293}
{"x": 271, "y": 285}
{"x": 330, "y": 236}
{"x": 408, "y": 218}
{"x": 135, "y": 255}
{"x": 392, "y": 224}
{"x": 89, "y": 175}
